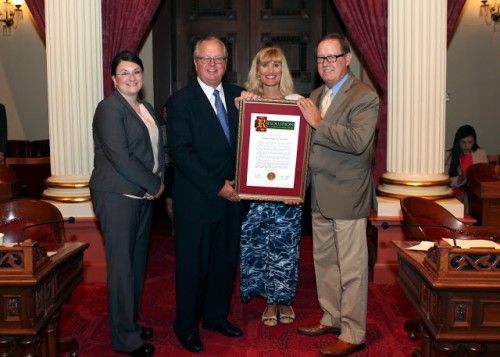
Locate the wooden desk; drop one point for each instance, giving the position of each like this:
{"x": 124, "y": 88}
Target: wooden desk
{"x": 33, "y": 286}
{"x": 456, "y": 293}
{"x": 385, "y": 269}
{"x": 483, "y": 187}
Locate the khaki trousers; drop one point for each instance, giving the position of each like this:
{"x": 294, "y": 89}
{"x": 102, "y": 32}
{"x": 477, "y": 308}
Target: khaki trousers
{"x": 341, "y": 267}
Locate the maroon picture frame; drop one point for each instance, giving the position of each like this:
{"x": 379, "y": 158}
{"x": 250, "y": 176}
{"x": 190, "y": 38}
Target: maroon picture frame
{"x": 282, "y": 107}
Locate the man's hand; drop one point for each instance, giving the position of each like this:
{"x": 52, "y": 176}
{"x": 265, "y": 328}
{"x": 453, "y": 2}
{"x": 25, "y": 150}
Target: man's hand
{"x": 309, "y": 111}
{"x": 227, "y": 191}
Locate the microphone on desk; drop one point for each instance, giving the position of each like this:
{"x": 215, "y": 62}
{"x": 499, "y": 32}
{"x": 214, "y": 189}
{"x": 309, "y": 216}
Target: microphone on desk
{"x": 386, "y": 225}
{"x": 70, "y": 220}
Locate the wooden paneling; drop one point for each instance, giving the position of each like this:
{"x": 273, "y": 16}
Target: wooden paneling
{"x": 245, "y": 26}
{"x": 227, "y": 20}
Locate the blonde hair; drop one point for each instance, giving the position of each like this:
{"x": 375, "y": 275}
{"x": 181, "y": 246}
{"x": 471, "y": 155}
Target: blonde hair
{"x": 265, "y": 55}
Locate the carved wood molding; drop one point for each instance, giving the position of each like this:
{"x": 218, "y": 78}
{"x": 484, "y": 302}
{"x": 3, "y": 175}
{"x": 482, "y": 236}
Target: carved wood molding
{"x": 199, "y": 9}
{"x": 301, "y": 10}
{"x": 475, "y": 262}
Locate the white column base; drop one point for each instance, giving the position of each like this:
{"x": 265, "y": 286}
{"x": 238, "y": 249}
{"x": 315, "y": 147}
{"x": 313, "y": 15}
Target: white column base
{"x": 83, "y": 209}
{"x": 399, "y": 191}
{"x": 67, "y": 189}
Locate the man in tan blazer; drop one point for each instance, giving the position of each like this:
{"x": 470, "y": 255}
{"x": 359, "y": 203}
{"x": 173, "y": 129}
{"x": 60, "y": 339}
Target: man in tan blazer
{"x": 343, "y": 113}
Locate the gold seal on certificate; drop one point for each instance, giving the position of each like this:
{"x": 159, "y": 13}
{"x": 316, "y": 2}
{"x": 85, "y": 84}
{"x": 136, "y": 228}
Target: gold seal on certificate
{"x": 271, "y": 176}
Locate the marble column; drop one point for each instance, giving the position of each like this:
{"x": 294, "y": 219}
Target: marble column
{"x": 74, "y": 77}
{"x": 416, "y": 101}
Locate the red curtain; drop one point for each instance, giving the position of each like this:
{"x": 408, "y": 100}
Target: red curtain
{"x": 37, "y": 9}
{"x": 124, "y": 23}
{"x": 366, "y": 23}
{"x": 454, "y": 11}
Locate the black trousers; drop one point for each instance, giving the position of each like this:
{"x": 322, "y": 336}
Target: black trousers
{"x": 125, "y": 225}
{"x": 207, "y": 253}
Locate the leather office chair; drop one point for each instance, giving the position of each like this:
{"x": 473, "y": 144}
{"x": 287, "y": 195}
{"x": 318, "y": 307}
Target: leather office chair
{"x": 421, "y": 211}
{"x": 17, "y": 215}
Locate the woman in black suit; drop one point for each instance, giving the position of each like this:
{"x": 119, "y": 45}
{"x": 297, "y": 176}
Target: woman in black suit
{"x": 127, "y": 176}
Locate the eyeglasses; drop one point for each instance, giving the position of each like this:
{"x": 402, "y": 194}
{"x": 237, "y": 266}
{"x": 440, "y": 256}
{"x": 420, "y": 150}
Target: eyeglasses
{"x": 135, "y": 73}
{"x": 207, "y": 60}
{"x": 329, "y": 58}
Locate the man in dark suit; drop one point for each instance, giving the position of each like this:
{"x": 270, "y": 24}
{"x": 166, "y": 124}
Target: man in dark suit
{"x": 3, "y": 134}
{"x": 202, "y": 134}
{"x": 342, "y": 194}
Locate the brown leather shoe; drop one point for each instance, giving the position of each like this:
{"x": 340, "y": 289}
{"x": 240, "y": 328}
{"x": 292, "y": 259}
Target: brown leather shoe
{"x": 340, "y": 348}
{"x": 318, "y": 330}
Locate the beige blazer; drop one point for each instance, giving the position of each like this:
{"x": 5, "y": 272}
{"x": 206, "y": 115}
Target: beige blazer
{"x": 342, "y": 148}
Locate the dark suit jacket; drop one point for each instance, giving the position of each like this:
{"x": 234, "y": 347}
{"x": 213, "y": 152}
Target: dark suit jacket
{"x": 3, "y": 130}
{"x": 342, "y": 149}
{"x": 123, "y": 160}
{"x": 203, "y": 157}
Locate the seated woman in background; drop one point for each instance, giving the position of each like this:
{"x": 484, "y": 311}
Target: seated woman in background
{"x": 464, "y": 153}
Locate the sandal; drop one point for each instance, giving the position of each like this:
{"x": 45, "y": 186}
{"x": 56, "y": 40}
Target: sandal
{"x": 287, "y": 315}
{"x": 270, "y": 315}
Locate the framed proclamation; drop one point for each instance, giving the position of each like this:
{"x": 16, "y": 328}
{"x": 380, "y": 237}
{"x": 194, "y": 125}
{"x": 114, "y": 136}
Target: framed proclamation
{"x": 273, "y": 151}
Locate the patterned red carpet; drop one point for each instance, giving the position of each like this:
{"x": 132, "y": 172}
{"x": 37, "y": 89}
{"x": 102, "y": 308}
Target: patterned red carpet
{"x": 85, "y": 317}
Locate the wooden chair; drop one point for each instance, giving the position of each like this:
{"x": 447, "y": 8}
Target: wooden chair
{"x": 9, "y": 184}
{"x": 17, "y": 215}
{"x": 424, "y": 219}
{"x": 483, "y": 193}
{"x": 483, "y": 171}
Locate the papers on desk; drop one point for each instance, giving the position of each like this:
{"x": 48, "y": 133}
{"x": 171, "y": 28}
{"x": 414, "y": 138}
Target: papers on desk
{"x": 423, "y": 246}
{"x": 51, "y": 253}
{"x": 9, "y": 244}
{"x": 473, "y": 243}
{"x": 461, "y": 243}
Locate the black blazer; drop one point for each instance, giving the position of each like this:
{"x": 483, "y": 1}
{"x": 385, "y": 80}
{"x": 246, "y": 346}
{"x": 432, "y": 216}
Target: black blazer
{"x": 123, "y": 155}
{"x": 203, "y": 158}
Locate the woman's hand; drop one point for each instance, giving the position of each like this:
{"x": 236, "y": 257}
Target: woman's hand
{"x": 151, "y": 197}
{"x": 295, "y": 202}
{"x": 245, "y": 95}
{"x": 461, "y": 178}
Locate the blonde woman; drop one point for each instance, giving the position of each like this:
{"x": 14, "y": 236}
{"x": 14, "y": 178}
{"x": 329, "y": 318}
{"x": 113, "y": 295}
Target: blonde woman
{"x": 270, "y": 233}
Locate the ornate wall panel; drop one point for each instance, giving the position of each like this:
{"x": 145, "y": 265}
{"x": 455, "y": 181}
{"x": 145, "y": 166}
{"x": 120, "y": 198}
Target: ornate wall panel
{"x": 245, "y": 26}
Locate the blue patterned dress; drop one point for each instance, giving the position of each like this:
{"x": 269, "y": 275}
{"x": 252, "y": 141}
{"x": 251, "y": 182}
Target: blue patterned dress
{"x": 270, "y": 238}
